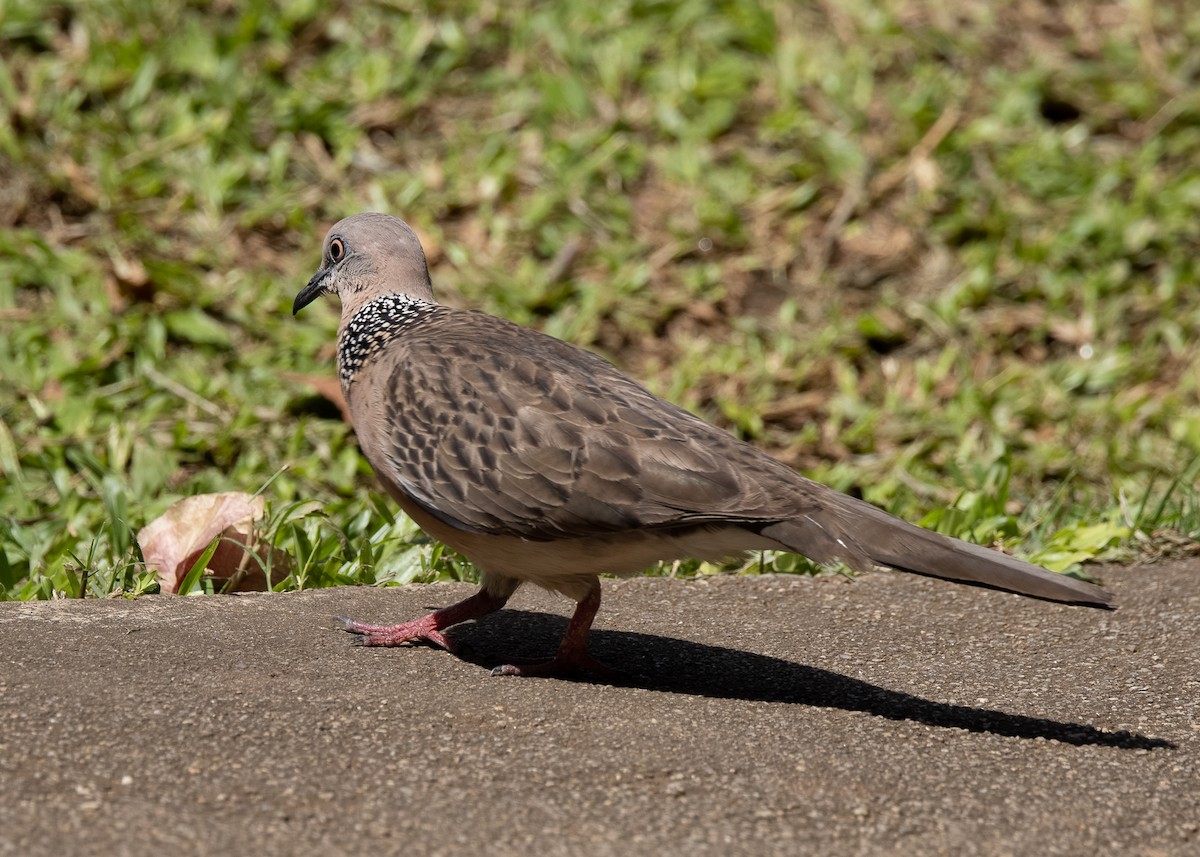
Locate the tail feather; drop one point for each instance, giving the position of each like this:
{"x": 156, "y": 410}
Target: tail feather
{"x": 861, "y": 535}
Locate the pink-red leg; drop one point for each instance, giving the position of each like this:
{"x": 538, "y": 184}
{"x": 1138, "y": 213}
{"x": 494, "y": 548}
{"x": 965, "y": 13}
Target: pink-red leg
{"x": 428, "y": 627}
{"x": 573, "y": 656}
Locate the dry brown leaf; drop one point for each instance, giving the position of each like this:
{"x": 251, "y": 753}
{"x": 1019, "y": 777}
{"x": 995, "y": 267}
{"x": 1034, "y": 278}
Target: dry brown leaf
{"x": 172, "y": 543}
{"x": 328, "y": 388}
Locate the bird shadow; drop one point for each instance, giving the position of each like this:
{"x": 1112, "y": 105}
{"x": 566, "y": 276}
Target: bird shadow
{"x": 671, "y": 665}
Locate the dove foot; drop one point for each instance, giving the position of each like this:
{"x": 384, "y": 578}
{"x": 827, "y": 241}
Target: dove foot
{"x": 426, "y": 629}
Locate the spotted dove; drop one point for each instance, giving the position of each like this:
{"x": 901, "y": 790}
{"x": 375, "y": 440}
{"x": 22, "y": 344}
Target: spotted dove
{"x": 541, "y": 462}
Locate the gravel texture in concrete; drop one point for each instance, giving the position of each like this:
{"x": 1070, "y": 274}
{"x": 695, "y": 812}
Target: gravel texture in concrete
{"x": 764, "y": 715}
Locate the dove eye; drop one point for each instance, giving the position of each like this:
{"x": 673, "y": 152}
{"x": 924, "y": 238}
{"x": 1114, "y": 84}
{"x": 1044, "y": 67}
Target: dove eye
{"x": 337, "y": 249}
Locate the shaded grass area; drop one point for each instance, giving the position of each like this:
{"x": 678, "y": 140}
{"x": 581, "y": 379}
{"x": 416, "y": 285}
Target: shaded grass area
{"x": 941, "y": 256}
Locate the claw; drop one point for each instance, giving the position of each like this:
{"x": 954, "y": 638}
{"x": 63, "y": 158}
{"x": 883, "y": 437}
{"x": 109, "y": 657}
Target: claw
{"x": 352, "y": 626}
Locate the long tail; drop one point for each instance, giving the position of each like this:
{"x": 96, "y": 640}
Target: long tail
{"x": 863, "y": 536}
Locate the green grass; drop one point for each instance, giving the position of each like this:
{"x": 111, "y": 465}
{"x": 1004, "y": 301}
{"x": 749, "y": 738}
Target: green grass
{"x": 943, "y": 256}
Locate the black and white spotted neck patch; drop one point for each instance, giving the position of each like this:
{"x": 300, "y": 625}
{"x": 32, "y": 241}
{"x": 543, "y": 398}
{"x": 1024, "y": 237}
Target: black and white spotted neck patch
{"x": 375, "y": 325}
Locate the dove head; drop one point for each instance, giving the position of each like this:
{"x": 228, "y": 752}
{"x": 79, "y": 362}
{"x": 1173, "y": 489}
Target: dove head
{"x": 365, "y": 257}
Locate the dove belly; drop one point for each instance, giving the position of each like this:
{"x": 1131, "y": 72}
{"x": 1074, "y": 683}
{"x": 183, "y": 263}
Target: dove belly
{"x": 568, "y": 565}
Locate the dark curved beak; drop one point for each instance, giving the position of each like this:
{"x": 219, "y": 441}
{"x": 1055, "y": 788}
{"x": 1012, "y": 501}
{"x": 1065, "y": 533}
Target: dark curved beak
{"x": 314, "y": 289}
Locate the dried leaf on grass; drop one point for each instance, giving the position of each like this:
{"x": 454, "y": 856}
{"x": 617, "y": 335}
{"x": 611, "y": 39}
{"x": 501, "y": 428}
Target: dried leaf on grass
{"x": 327, "y": 387}
{"x": 172, "y": 543}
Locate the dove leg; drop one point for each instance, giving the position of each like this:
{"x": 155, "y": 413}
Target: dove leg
{"x": 573, "y": 657}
